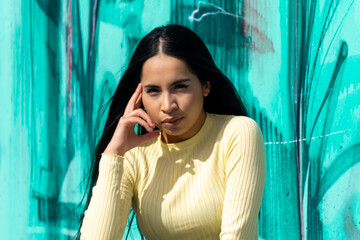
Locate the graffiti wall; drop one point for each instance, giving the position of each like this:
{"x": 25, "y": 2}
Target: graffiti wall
{"x": 295, "y": 63}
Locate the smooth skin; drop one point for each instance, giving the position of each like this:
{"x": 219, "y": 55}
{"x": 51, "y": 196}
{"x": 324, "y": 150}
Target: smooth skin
{"x": 173, "y": 98}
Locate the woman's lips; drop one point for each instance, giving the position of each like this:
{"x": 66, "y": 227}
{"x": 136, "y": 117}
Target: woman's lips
{"x": 172, "y": 123}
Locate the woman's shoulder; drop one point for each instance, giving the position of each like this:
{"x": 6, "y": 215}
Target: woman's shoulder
{"x": 233, "y": 122}
{"x": 234, "y": 126}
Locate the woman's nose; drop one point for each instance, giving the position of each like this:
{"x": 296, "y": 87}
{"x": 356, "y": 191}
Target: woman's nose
{"x": 168, "y": 103}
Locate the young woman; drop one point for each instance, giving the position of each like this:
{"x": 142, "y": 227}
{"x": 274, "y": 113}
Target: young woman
{"x": 197, "y": 170}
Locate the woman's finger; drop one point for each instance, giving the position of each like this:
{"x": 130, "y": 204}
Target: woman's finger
{"x": 141, "y": 113}
{"x": 138, "y": 100}
{"x": 131, "y": 104}
{"x": 133, "y": 120}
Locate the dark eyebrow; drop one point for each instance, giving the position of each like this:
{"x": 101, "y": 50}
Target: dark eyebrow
{"x": 172, "y": 84}
{"x": 151, "y": 86}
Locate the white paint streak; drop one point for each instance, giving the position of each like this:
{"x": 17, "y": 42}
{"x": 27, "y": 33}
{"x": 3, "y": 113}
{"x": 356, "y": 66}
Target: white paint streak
{"x": 304, "y": 139}
{"x": 219, "y": 11}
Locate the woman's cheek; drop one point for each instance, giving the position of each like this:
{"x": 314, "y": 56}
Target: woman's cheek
{"x": 150, "y": 109}
{"x": 145, "y": 102}
{"x": 190, "y": 101}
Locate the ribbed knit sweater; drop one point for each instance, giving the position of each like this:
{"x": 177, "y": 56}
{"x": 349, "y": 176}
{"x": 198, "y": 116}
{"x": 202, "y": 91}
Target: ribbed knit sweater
{"x": 207, "y": 187}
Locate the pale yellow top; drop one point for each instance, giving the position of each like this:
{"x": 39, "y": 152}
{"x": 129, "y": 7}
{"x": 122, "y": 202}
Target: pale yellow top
{"x": 207, "y": 187}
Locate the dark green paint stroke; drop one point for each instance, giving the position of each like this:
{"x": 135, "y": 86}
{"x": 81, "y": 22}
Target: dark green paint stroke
{"x": 342, "y": 163}
{"x": 343, "y": 52}
{"x": 51, "y": 9}
{"x": 83, "y": 77}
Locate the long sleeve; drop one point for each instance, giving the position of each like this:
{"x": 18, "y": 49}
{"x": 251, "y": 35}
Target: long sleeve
{"x": 110, "y": 204}
{"x": 245, "y": 179}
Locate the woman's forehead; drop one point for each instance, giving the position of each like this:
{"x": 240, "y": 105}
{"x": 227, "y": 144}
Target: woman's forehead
{"x": 163, "y": 69}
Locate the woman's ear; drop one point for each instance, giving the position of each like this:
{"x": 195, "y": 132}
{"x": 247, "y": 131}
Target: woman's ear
{"x": 206, "y": 88}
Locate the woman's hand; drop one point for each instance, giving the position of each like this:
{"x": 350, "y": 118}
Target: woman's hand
{"x": 124, "y": 137}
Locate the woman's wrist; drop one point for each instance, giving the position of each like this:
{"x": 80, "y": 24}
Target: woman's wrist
{"x": 115, "y": 151}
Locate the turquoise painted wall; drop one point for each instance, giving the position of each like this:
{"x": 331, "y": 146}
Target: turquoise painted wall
{"x": 296, "y": 64}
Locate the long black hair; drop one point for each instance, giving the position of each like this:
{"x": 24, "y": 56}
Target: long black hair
{"x": 176, "y": 41}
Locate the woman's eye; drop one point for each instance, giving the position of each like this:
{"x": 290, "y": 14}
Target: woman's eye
{"x": 180, "y": 86}
{"x": 152, "y": 91}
